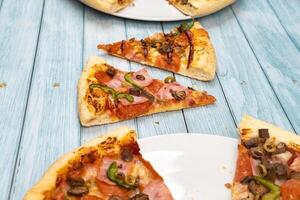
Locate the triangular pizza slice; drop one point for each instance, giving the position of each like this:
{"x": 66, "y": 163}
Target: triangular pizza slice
{"x": 110, "y": 167}
{"x": 268, "y": 163}
{"x": 107, "y": 94}
{"x": 187, "y": 50}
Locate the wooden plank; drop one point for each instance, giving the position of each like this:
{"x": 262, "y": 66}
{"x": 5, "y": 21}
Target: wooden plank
{"x": 101, "y": 28}
{"x": 161, "y": 123}
{"x": 243, "y": 81}
{"x": 212, "y": 119}
{"x": 51, "y": 125}
{"x": 18, "y": 40}
{"x": 289, "y": 17}
{"x": 276, "y": 53}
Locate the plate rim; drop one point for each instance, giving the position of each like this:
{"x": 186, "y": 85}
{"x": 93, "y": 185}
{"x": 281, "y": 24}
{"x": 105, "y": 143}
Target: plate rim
{"x": 193, "y": 134}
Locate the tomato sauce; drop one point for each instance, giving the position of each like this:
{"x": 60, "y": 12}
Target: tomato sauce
{"x": 243, "y": 165}
{"x": 132, "y": 111}
{"x": 102, "y": 77}
{"x": 155, "y": 86}
{"x": 290, "y": 190}
{"x": 162, "y": 62}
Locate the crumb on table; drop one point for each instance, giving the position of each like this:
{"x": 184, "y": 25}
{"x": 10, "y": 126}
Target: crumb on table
{"x": 3, "y": 85}
{"x": 228, "y": 185}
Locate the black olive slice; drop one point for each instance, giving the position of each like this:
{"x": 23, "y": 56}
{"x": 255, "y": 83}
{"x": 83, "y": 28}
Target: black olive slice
{"x": 140, "y": 196}
{"x": 74, "y": 182}
{"x": 126, "y": 155}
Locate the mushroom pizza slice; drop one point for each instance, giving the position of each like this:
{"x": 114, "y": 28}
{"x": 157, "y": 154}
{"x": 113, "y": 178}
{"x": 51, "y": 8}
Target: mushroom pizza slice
{"x": 107, "y": 94}
{"x": 110, "y": 167}
{"x": 268, "y": 163}
{"x": 186, "y": 50}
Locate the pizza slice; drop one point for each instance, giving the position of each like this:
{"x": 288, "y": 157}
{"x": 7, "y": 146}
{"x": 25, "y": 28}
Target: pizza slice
{"x": 110, "y": 167}
{"x": 186, "y": 50}
{"x": 268, "y": 163}
{"x": 107, "y": 94}
{"x": 108, "y": 6}
{"x": 199, "y": 8}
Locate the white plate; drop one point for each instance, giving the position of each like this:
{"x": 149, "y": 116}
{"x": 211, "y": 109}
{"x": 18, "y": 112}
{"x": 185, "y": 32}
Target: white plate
{"x": 150, "y": 10}
{"x": 194, "y": 166}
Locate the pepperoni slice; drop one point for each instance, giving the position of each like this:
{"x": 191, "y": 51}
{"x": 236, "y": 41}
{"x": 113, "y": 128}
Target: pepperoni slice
{"x": 162, "y": 62}
{"x": 243, "y": 164}
{"x": 132, "y": 111}
{"x": 102, "y": 77}
{"x": 290, "y": 190}
{"x": 109, "y": 190}
{"x": 155, "y": 86}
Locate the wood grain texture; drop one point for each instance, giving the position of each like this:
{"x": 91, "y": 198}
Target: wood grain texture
{"x": 18, "y": 41}
{"x": 51, "y": 125}
{"x": 212, "y": 119}
{"x": 160, "y": 123}
{"x": 101, "y": 28}
{"x": 245, "y": 86}
{"x": 288, "y": 14}
{"x": 276, "y": 53}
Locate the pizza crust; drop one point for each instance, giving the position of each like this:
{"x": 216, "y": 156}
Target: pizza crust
{"x": 204, "y": 64}
{"x": 88, "y": 118}
{"x": 48, "y": 181}
{"x": 108, "y": 6}
{"x": 249, "y": 126}
{"x": 201, "y": 7}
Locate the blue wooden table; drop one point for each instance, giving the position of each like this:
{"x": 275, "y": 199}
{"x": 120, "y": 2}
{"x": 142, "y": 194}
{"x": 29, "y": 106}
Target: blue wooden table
{"x": 44, "y": 44}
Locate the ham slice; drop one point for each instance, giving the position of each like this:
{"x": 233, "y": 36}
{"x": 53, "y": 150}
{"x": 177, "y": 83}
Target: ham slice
{"x": 157, "y": 190}
{"x": 295, "y": 166}
{"x": 142, "y": 78}
{"x": 114, "y": 83}
{"x": 164, "y": 92}
{"x": 136, "y": 100}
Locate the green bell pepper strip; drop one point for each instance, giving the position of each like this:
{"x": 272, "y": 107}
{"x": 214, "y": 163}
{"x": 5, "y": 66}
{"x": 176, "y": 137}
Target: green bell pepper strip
{"x": 274, "y": 193}
{"x": 186, "y": 26}
{"x": 128, "y": 78}
{"x": 112, "y": 176}
{"x": 128, "y": 97}
{"x": 115, "y": 95}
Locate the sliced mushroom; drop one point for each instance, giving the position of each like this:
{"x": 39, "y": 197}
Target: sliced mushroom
{"x": 257, "y": 190}
{"x": 281, "y": 170}
{"x": 280, "y": 148}
{"x": 78, "y": 191}
{"x": 257, "y": 152}
{"x": 140, "y": 196}
{"x": 178, "y": 95}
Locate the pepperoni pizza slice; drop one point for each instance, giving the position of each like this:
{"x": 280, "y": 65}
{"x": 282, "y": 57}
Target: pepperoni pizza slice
{"x": 186, "y": 50}
{"x": 110, "y": 167}
{"x": 268, "y": 163}
{"x": 107, "y": 94}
